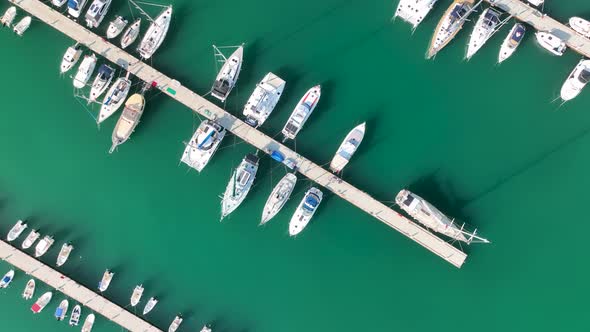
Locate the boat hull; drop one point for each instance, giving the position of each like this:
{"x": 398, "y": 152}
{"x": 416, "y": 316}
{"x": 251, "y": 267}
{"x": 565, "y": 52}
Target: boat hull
{"x": 278, "y": 197}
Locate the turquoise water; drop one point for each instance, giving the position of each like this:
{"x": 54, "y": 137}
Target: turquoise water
{"x": 484, "y": 143}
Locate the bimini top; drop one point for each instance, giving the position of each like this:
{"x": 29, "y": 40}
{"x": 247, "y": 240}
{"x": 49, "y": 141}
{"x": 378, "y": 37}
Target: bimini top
{"x": 104, "y": 71}
{"x": 459, "y": 11}
{"x": 311, "y": 202}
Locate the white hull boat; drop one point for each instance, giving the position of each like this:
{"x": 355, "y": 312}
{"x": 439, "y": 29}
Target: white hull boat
{"x": 29, "y": 290}
{"x": 116, "y": 27}
{"x": 16, "y": 231}
{"x": 88, "y": 323}
{"x": 413, "y": 11}
{"x": 96, "y": 13}
{"x": 577, "y": 80}
{"x": 155, "y": 34}
{"x": 203, "y": 145}
{"x": 103, "y": 285}
{"x": 348, "y": 148}
{"x": 305, "y": 211}
{"x": 75, "y": 7}
{"x": 30, "y": 239}
{"x": 206, "y": 328}
{"x": 75, "y": 315}
{"x": 41, "y": 303}
{"x": 580, "y": 25}
{"x": 7, "y": 279}
{"x": 486, "y": 24}
{"x": 536, "y": 2}
{"x": 278, "y": 197}
{"x": 101, "y": 82}
{"x": 85, "y": 71}
{"x": 128, "y": 120}
{"x": 64, "y": 254}
{"x": 22, "y": 25}
{"x": 511, "y": 42}
{"x": 239, "y": 185}
{"x": 130, "y": 35}
{"x": 301, "y": 112}
{"x": 70, "y": 58}
{"x": 263, "y": 100}
{"x": 58, "y": 3}
{"x": 228, "y": 75}
{"x": 449, "y": 25}
{"x": 175, "y": 324}
{"x": 114, "y": 98}
{"x": 136, "y": 296}
{"x": 43, "y": 246}
{"x": 149, "y": 306}
{"x": 8, "y": 16}
{"x": 551, "y": 43}
{"x": 62, "y": 310}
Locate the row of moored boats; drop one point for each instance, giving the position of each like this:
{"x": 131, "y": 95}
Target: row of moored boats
{"x": 8, "y": 18}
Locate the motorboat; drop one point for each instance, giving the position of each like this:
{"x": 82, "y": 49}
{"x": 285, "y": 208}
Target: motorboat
{"x": 85, "y": 71}
{"x": 8, "y": 16}
{"x": 239, "y": 184}
{"x": 576, "y": 81}
{"x": 149, "y": 306}
{"x": 486, "y": 25}
{"x": 116, "y": 27}
{"x": 114, "y": 98}
{"x": 551, "y": 43}
{"x": 64, "y": 254}
{"x": 348, "y": 148}
{"x": 58, "y": 3}
{"x": 88, "y": 322}
{"x": 413, "y": 11}
{"x": 22, "y": 25}
{"x": 43, "y": 246}
{"x": 30, "y": 239}
{"x": 70, "y": 58}
{"x": 511, "y": 42}
{"x": 536, "y": 2}
{"x": 305, "y": 211}
{"x": 206, "y": 328}
{"x": 175, "y": 324}
{"x": 228, "y": 75}
{"x": 263, "y": 100}
{"x": 203, "y": 144}
{"x": 449, "y": 25}
{"x": 16, "y": 230}
{"x": 128, "y": 120}
{"x": 136, "y": 296}
{"x": 130, "y": 34}
{"x": 278, "y": 197}
{"x": 75, "y": 315}
{"x": 96, "y": 13}
{"x": 75, "y": 7}
{"x": 29, "y": 289}
{"x": 580, "y": 26}
{"x": 301, "y": 113}
{"x": 105, "y": 281}
{"x": 155, "y": 34}
{"x": 101, "y": 81}
{"x": 61, "y": 310}
{"x": 7, "y": 279}
{"x": 41, "y": 303}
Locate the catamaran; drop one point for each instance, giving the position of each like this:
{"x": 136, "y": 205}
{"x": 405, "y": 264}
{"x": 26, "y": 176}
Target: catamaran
{"x": 551, "y": 43}
{"x": 175, "y": 324}
{"x": 61, "y": 310}
{"x": 413, "y": 11}
{"x": 22, "y": 25}
{"x": 85, "y": 71}
{"x": 70, "y": 58}
{"x": 149, "y": 306}
{"x": 136, "y": 296}
{"x": 7, "y": 279}
{"x": 577, "y": 80}
{"x": 580, "y": 25}
{"x": 239, "y": 184}
{"x": 16, "y": 230}
{"x": 30, "y": 239}
{"x": 485, "y": 27}
{"x": 75, "y": 7}
{"x": 106, "y": 280}
{"x": 128, "y": 120}
{"x": 449, "y": 25}
{"x": 58, "y": 3}
{"x": 228, "y": 75}
{"x": 102, "y": 81}
{"x": 306, "y": 209}
{"x": 348, "y": 148}
{"x": 511, "y": 42}
{"x": 263, "y": 100}
{"x": 301, "y": 113}
{"x": 278, "y": 197}
{"x": 8, "y": 16}
{"x": 75, "y": 316}
{"x": 64, "y": 253}
{"x": 88, "y": 322}
{"x": 114, "y": 98}
{"x": 41, "y": 302}
{"x": 203, "y": 144}
{"x": 130, "y": 35}
{"x": 116, "y": 27}
{"x": 96, "y": 13}
{"x": 155, "y": 34}
{"x": 29, "y": 289}
{"x": 43, "y": 245}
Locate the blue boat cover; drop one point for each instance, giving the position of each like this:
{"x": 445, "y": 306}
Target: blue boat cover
{"x": 58, "y": 312}
{"x": 6, "y": 279}
{"x": 276, "y": 155}
{"x": 73, "y": 4}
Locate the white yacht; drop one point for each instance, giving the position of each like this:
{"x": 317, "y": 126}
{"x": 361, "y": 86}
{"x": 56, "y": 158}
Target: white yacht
{"x": 7, "y": 279}
{"x": 577, "y": 80}
{"x": 136, "y": 296}
{"x": 206, "y": 328}
{"x": 486, "y": 24}
{"x": 88, "y": 322}
{"x": 43, "y": 245}
{"x": 228, "y": 75}
{"x": 101, "y": 82}
{"x": 301, "y": 112}
{"x": 64, "y": 254}
{"x": 58, "y": 3}
{"x": 8, "y": 16}
{"x": 449, "y": 25}
{"x": 203, "y": 145}
{"x": 75, "y": 315}
{"x": 85, "y": 71}
{"x": 155, "y": 34}
{"x": 30, "y": 239}
{"x": 41, "y": 303}
{"x": 413, "y": 11}
{"x": 22, "y": 25}
{"x": 29, "y": 289}
{"x": 536, "y": 2}
{"x": 116, "y": 27}
{"x": 149, "y": 306}
{"x": 105, "y": 281}
{"x": 175, "y": 324}
{"x": 114, "y": 98}
{"x": 511, "y": 42}
{"x": 62, "y": 310}
{"x": 70, "y": 58}
{"x": 75, "y": 7}
{"x": 16, "y": 230}
{"x": 580, "y": 25}
{"x": 306, "y": 209}
{"x": 348, "y": 148}
{"x": 278, "y": 197}
{"x": 239, "y": 184}
{"x": 551, "y": 43}
{"x": 128, "y": 120}
{"x": 263, "y": 100}
{"x": 130, "y": 34}
{"x": 96, "y": 13}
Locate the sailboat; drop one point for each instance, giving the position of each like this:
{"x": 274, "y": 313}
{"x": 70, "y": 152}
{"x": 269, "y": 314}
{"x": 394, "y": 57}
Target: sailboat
{"x": 580, "y": 26}
{"x": 228, "y": 75}
{"x": 88, "y": 322}
{"x": 62, "y": 309}
{"x": 41, "y": 303}
{"x": 75, "y": 316}
{"x": 29, "y": 289}
{"x": 22, "y": 25}
{"x": 485, "y": 27}
{"x": 102, "y": 81}
{"x": 155, "y": 34}
{"x": 239, "y": 184}
{"x": 43, "y": 246}
{"x": 16, "y": 230}
{"x": 305, "y": 211}
{"x": 114, "y": 98}
{"x": 70, "y": 58}
{"x": 576, "y": 81}
{"x": 116, "y": 26}
{"x": 128, "y": 120}
{"x": 136, "y": 296}
{"x": 511, "y": 42}
{"x": 75, "y": 7}
{"x": 149, "y": 306}
{"x": 413, "y": 11}
{"x": 449, "y": 25}
{"x": 551, "y": 43}
{"x": 105, "y": 281}
{"x": 175, "y": 324}
{"x": 263, "y": 100}
{"x": 348, "y": 148}
{"x": 278, "y": 197}
{"x": 203, "y": 144}
{"x": 64, "y": 253}
{"x": 130, "y": 35}
{"x": 85, "y": 71}
{"x": 8, "y": 16}
{"x": 7, "y": 279}
{"x": 301, "y": 113}
{"x": 96, "y": 13}
{"x": 30, "y": 239}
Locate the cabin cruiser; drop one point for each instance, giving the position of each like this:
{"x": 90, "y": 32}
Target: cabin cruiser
{"x": 64, "y": 253}
{"x": 278, "y": 197}
{"x": 511, "y": 42}
{"x": 239, "y": 184}
{"x": 58, "y": 3}
{"x": 96, "y": 13}
{"x": 130, "y": 35}
{"x": 70, "y": 58}
{"x": 106, "y": 280}
{"x": 30, "y": 239}
{"x": 7, "y": 279}
{"x": 85, "y": 71}
{"x": 155, "y": 34}
{"x": 128, "y": 120}
{"x": 263, "y": 100}
{"x": 102, "y": 81}
{"x": 413, "y": 11}
{"x": 22, "y": 25}
{"x": 228, "y": 75}
{"x": 449, "y": 25}
{"x": 551, "y": 43}
{"x": 43, "y": 246}
{"x": 136, "y": 296}
{"x": 114, "y": 98}
{"x": 75, "y": 7}
{"x": 175, "y": 324}
{"x": 88, "y": 322}
{"x": 16, "y": 230}
{"x": 203, "y": 144}
{"x": 8, "y": 16}
{"x": 484, "y": 29}
{"x": 29, "y": 289}
{"x": 577, "y": 80}
{"x": 580, "y": 26}
{"x": 116, "y": 27}
{"x": 149, "y": 306}
{"x": 348, "y": 148}
{"x": 61, "y": 311}
{"x": 301, "y": 113}
{"x": 75, "y": 316}
{"x": 305, "y": 211}
{"x": 41, "y": 303}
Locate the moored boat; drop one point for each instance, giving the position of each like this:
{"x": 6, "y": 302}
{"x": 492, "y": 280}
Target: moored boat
{"x": 155, "y": 34}
{"x": 130, "y": 35}
{"x": 8, "y": 16}
{"x": 64, "y": 253}
{"x": 22, "y": 25}
{"x": 239, "y": 184}
{"x": 29, "y": 289}
{"x": 175, "y": 324}
{"x": 41, "y": 303}
{"x": 105, "y": 281}
{"x": 70, "y": 58}
{"x": 7, "y": 279}
{"x": 551, "y": 43}
{"x": 301, "y": 113}
{"x": 136, "y": 296}
{"x": 96, "y": 13}
{"x": 149, "y": 306}
{"x": 278, "y": 197}
{"x": 449, "y": 25}
{"x": 101, "y": 82}
{"x": 16, "y": 231}
{"x": 75, "y": 7}
{"x": 206, "y": 328}
{"x": 485, "y": 27}
{"x": 263, "y": 100}
{"x": 348, "y": 148}
{"x": 305, "y": 211}
{"x": 114, "y": 98}
{"x": 203, "y": 144}
{"x": 536, "y": 2}
{"x": 75, "y": 315}
{"x": 128, "y": 120}
{"x": 88, "y": 323}
{"x": 85, "y": 71}
{"x": 30, "y": 239}
{"x": 58, "y": 3}
{"x": 116, "y": 27}
{"x": 228, "y": 75}
{"x": 576, "y": 81}
{"x": 61, "y": 310}
{"x": 413, "y": 11}
{"x": 512, "y": 41}
{"x": 43, "y": 246}
{"x": 580, "y": 26}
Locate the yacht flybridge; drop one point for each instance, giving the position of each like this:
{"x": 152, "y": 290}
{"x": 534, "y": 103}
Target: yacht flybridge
{"x": 485, "y": 27}
{"x": 228, "y": 75}
{"x": 263, "y": 100}
{"x": 413, "y": 11}
{"x": 449, "y": 25}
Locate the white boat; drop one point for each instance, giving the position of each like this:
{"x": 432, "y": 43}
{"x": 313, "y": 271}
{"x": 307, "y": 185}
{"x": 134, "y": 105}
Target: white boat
{"x": 105, "y": 281}
{"x": 449, "y": 25}
{"x": 30, "y": 239}
{"x": 577, "y": 80}
{"x": 228, "y": 75}
{"x": 29, "y": 289}
{"x": 413, "y": 11}
{"x": 22, "y": 25}
{"x": 175, "y": 324}
{"x": 114, "y": 98}
{"x": 88, "y": 322}
{"x": 41, "y": 303}
{"x": 128, "y": 120}
{"x": 301, "y": 113}
{"x": 75, "y": 7}
{"x": 206, "y": 328}
{"x": 136, "y": 296}
{"x": 306, "y": 209}
{"x": 239, "y": 184}
{"x": 70, "y": 58}
{"x": 116, "y": 27}
{"x": 43, "y": 246}
{"x": 278, "y": 197}
{"x": 155, "y": 34}
{"x": 348, "y": 148}
{"x": 61, "y": 310}
{"x": 263, "y": 100}
{"x": 130, "y": 35}
{"x": 149, "y": 306}
{"x": 75, "y": 315}
{"x": 16, "y": 230}
{"x": 64, "y": 253}
{"x": 536, "y": 2}
{"x": 85, "y": 71}
{"x": 551, "y": 43}
{"x": 96, "y": 13}
{"x": 101, "y": 82}
{"x": 511, "y": 42}
{"x": 203, "y": 145}
{"x": 58, "y": 3}
{"x": 580, "y": 26}
{"x": 8, "y": 16}
{"x": 485, "y": 27}
{"x": 7, "y": 279}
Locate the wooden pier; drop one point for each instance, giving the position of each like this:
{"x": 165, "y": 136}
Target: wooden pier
{"x": 74, "y": 290}
{"x": 185, "y": 96}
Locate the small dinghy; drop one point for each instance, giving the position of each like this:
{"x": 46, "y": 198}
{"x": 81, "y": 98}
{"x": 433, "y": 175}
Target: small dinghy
{"x": 7, "y": 279}
{"x": 348, "y": 148}
{"x": 228, "y": 75}
{"x": 305, "y": 211}
{"x": 301, "y": 113}
{"x": 64, "y": 253}
{"x": 106, "y": 280}
{"x": 136, "y": 296}
{"x": 551, "y": 43}
{"x": 114, "y": 98}
{"x": 116, "y": 27}
{"x": 22, "y": 25}
{"x": 149, "y": 306}
{"x": 16, "y": 231}
{"x": 88, "y": 322}
{"x": 580, "y": 26}
{"x": 206, "y": 328}
{"x": 70, "y": 58}
{"x": 62, "y": 309}
{"x": 30, "y": 239}
{"x": 130, "y": 35}
{"x": 75, "y": 315}
{"x": 577, "y": 80}
{"x": 8, "y": 17}
{"x": 511, "y": 42}
{"x": 278, "y": 197}
{"x": 29, "y": 290}
{"x": 85, "y": 71}
{"x": 101, "y": 82}
{"x": 41, "y": 303}
{"x": 43, "y": 246}
{"x": 175, "y": 324}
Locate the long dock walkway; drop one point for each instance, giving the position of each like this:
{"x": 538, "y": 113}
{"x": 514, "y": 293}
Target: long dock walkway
{"x": 74, "y": 290}
{"x": 175, "y": 90}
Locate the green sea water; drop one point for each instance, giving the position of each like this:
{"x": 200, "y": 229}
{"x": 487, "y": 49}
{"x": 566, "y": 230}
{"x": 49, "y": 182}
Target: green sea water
{"x": 483, "y": 142}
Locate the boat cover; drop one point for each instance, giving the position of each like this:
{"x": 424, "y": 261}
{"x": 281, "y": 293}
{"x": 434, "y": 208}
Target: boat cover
{"x": 276, "y": 155}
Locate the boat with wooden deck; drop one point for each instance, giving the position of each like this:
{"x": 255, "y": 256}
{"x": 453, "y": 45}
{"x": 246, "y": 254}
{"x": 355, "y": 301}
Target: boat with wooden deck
{"x": 449, "y": 25}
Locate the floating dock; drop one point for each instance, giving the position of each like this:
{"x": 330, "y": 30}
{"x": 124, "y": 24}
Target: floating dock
{"x": 185, "y": 96}
{"x": 74, "y": 290}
